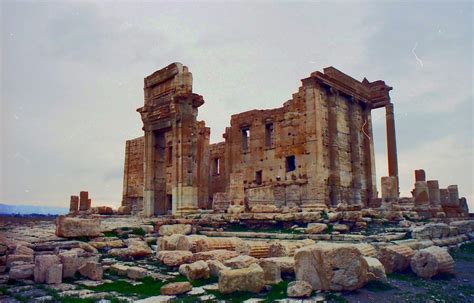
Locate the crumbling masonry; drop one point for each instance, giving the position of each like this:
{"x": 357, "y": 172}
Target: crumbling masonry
{"x": 314, "y": 152}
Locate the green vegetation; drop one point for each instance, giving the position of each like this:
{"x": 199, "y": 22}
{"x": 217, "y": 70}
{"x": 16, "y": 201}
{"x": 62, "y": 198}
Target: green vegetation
{"x": 324, "y": 215}
{"x": 149, "y": 287}
{"x": 329, "y": 229}
{"x": 110, "y": 234}
{"x": 139, "y": 231}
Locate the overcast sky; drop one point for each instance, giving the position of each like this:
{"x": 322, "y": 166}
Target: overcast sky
{"x": 72, "y": 77}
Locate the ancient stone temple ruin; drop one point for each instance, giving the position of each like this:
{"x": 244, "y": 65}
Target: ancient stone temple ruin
{"x": 314, "y": 152}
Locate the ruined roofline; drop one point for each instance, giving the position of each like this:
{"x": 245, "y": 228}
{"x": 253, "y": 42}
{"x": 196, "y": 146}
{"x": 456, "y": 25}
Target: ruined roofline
{"x": 375, "y": 94}
{"x": 164, "y": 74}
{"x": 135, "y": 139}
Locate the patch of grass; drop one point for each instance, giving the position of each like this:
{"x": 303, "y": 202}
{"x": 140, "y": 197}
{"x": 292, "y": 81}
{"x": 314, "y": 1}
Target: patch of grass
{"x": 149, "y": 287}
{"x": 110, "y": 234}
{"x": 139, "y": 231}
{"x": 277, "y": 292}
{"x": 125, "y": 228}
{"x": 329, "y": 229}
{"x": 324, "y": 215}
{"x": 82, "y": 239}
{"x": 3, "y": 290}
{"x": 199, "y": 283}
{"x": 378, "y": 286}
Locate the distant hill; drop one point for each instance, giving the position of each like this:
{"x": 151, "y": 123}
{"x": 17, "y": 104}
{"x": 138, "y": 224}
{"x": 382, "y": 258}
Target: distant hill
{"x": 32, "y": 209}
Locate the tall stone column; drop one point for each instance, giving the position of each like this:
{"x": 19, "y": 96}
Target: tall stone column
{"x": 334, "y": 175}
{"x": 369, "y": 155}
{"x": 149, "y": 189}
{"x": 391, "y": 141}
{"x": 354, "y": 126}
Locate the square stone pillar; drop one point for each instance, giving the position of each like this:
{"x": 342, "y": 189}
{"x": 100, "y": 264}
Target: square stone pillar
{"x": 74, "y": 204}
{"x": 355, "y": 137}
{"x": 433, "y": 190}
{"x": 334, "y": 169}
{"x": 84, "y": 201}
{"x": 389, "y": 189}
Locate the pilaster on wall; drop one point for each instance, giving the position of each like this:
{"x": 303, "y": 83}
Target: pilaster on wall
{"x": 334, "y": 175}
{"x": 355, "y": 137}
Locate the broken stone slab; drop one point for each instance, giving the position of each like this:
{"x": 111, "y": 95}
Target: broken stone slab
{"x": 69, "y": 227}
{"x": 219, "y": 254}
{"x": 23, "y": 250}
{"x": 73, "y": 259}
{"x": 174, "y": 242}
{"x": 108, "y": 244}
{"x": 136, "y": 273}
{"x": 299, "y": 289}
{"x": 271, "y": 271}
{"x": 316, "y": 228}
{"x": 119, "y": 269}
{"x": 287, "y": 249}
{"x": 244, "y": 279}
{"x": 195, "y": 271}
{"x": 395, "y": 258}
{"x": 342, "y": 228}
{"x": 92, "y": 271}
{"x": 168, "y": 230}
{"x": 136, "y": 248}
{"x": 286, "y": 264}
{"x": 376, "y": 270}
{"x": 241, "y": 261}
{"x": 42, "y": 264}
{"x": 215, "y": 267}
{"x": 431, "y": 231}
{"x": 176, "y": 288}
{"x": 431, "y": 261}
{"x": 265, "y": 208}
{"x": 54, "y": 274}
{"x": 20, "y": 272}
{"x": 18, "y": 258}
{"x": 174, "y": 258}
{"x": 329, "y": 266}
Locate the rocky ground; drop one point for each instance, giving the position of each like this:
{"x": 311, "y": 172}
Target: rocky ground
{"x": 133, "y": 259}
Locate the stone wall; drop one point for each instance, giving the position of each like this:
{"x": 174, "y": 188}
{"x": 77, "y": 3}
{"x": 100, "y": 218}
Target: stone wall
{"x": 133, "y": 174}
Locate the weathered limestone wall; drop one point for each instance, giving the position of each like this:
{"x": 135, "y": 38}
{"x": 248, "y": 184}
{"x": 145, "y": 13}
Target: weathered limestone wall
{"x": 322, "y": 130}
{"x": 133, "y": 174}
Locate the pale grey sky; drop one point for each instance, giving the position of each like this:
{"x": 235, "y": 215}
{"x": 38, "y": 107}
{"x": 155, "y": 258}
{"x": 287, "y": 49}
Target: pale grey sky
{"x": 72, "y": 76}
